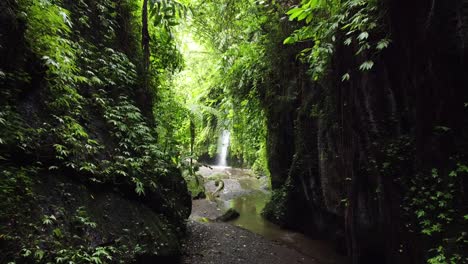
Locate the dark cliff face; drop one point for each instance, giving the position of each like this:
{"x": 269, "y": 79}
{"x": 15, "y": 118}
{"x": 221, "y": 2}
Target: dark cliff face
{"x": 359, "y": 145}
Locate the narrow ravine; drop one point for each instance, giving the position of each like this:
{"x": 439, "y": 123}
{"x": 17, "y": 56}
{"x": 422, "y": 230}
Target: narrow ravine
{"x": 248, "y": 238}
{"x": 351, "y": 117}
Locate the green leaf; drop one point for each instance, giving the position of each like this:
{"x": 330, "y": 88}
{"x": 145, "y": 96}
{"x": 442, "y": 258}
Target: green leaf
{"x": 57, "y": 232}
{"x": 139, "y": 189}
{"x": 294, "y": 10}
{"x": 96, "y": 80}
{"x": 296, "y": 13}
{"x": 39, "y": 254}
{"x": 348, "y": 41}
{"x": 363, "y": 36}
{"x": 420, "y": 213}
{"x": 384, "y": 43}
{"x": 303, "y": 16}
{"x": 289, "y": 40}
{"x": 345, "y": 77}
{"x": 367, "y": 65}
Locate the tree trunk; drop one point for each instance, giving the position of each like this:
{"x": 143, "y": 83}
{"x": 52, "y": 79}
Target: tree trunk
{"x": 145, "y": 38}
{"x": 144, "y": 94}
{"x": 192, "y": 143}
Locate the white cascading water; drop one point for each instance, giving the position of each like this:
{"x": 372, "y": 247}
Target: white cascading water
{"x": 223, "y": 145}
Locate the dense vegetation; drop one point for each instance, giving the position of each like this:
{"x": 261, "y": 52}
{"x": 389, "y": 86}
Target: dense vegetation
{"x": 77, "y": 108}
{"x": 356, "y": 109}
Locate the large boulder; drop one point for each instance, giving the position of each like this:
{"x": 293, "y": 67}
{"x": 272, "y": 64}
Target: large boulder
{"x": 61, "y": 218}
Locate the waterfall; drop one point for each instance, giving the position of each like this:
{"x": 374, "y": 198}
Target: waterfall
{"x": 223, "y": 145}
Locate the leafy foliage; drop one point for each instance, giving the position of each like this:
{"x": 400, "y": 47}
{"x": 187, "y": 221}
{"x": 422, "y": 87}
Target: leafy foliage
{"x": 431, "y": 203}
{"x": 167, "y": 13}
{"x": 47, "y": 250}
{"x": 72, "y": 106}
{"x": 327, "y": 23}
{"x": 80, "y": 98}
{"x": 225, "y": 62}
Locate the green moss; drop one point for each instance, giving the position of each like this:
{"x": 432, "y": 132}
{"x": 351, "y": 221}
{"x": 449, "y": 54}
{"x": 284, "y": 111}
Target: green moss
{"x": 276, "y": 210}
{"x": 195, "y": 184}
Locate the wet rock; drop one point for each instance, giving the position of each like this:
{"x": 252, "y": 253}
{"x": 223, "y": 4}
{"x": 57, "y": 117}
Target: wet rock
{"x": 230, "y": 215}
{"x": 200, "y": 195}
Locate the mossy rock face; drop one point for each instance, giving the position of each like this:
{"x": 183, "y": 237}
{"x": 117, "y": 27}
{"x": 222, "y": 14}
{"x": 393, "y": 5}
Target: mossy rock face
{"x": 195, "y": 185}
{"x": 275, "y": 210}
{"x": 67, "y": 218}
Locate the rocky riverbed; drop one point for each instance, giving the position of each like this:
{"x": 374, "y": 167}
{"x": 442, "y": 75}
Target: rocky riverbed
{"x": 249, "y": 238}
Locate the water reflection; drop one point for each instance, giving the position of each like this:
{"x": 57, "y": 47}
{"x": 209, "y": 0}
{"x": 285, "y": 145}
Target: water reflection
{"x": 250, "y": 207}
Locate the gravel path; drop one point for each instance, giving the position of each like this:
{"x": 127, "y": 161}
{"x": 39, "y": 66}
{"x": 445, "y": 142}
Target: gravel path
{"x": 205, "y": 209}
{"x": 221, "y": 243}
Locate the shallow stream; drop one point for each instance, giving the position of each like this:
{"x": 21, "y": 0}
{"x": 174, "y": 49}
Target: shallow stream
{"x": 250, "y": 207}
{"x": 249, "y": 195}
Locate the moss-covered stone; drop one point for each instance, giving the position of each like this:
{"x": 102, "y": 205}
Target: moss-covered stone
{"x": 61, "y": 217}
